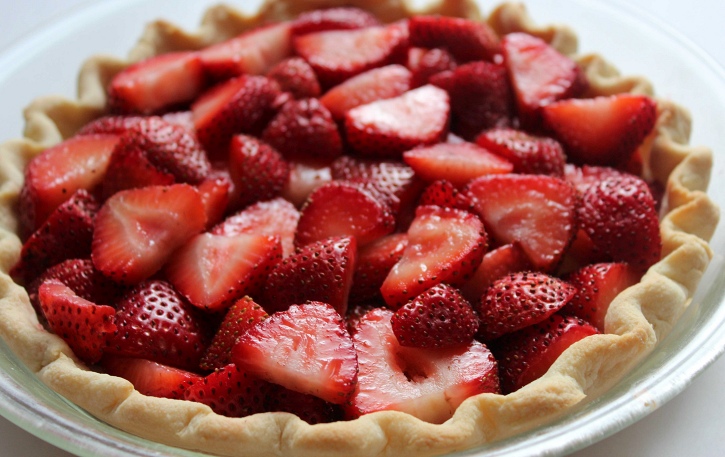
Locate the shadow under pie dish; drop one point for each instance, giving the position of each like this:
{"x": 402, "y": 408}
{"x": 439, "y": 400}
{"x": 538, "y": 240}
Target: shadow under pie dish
{"x": 558, "y": 389}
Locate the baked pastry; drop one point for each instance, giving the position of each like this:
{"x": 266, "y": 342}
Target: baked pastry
{"x": 582, "y": 372}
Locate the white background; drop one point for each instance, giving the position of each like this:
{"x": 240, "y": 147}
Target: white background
{"x": 692, "y": 424}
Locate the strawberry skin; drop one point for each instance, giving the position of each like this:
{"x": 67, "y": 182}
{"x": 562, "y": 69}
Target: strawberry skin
{"x": 374, "y": 261}
{"x": 340, "y": 18}
{"x": 230, "y": 392}
{"x": 443, "y": 193}
{"x": 111, "y": 125}
{"x": 295, "y": 76}
{"x": 150, "y": 378}
{"x": 305, "y": 348}
{"x": 497, "y": 263}
{"x": 309, "y": 408}
{"x": 528, "y": 153}
{"x": 259, "y": 172}
{"x": 466, "y": 39}
{"x": 424, "y": 63}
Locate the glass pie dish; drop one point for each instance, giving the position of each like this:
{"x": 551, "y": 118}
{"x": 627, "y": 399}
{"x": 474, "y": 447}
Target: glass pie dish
{"x": 690, "y": 346}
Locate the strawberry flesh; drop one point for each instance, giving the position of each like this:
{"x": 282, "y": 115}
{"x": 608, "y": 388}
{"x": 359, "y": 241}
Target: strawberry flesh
{"x": 466, "y": 39}
{"x": 529, "y": 154}
{"x": 340, "y": 18}
{"x": 150, "y": 378}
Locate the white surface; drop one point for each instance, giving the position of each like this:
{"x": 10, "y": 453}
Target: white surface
{"x": 692, "y": 424}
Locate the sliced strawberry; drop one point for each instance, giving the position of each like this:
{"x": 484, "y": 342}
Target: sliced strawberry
{"x": 444, "y": 245}
{"x": 456, "y": 163}
{"x": 213, "y": 271}
{"x": 253, "y": 52}
{"x": 519, "y": 300}
{"x": 157, "y": 83}
{"x": 539, "y": 74}
{"x": 155, "y": 322}
{"x": 428, "y": 384}
{"x": 305, "y": 348}
{"x": 389, "y": 127}
{"x": 321, "y": 271}
{"x": 438, "y": 318}
{"x": 537, "y": 211}
{"x": 597, "y": 286}
{"x": 481, "y": 97}
{"x": 111, "y": 125}
{"x": 587, "y": 175}
{"x": 358, "y": 311}
{"x": 215, "y": 192}
{"x": 602, "y": 130}
{"x": 309, "y": 408}
{"x": 374, "y": 261}
{"x": 527, "y": 355}
{"x": 340, "y": 18}
{"x": 82, "y": 324}
{"x": 137, "y": 230}
{"x": 343, "y": 208}
{"x": 304, "y": 129}
{"x": 53, "y": 176}
{"x": 372, "y": 85}
{"x": 443, "y": 193}
{"x": 497, "y": 263}
{"x": 259, "y": 172}
{"x": 296, "y": 76}
{"x": 528, "y": 153}
{"x": 305, "y": 176}
{"x": 466, "y": 39}
{"x": 582, "y": 252}
{"x": 424, "y": 63}
{"x": 230, "y": 392}
{"x": 337, "y": 55}
{"x": 150, "y": 378}
{"x": 241, "y": 316}
{"x": 276, "y": 217}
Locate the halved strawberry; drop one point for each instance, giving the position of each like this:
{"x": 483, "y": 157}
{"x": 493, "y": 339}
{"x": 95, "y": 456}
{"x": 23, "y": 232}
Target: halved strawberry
{"x": 444, "y": 245}
{"x": 519, "y": 300}
{"x": 305, "y": 176}
{"x": 387, "y": 128}
{"x": 137, "y": 230}
{"x": 213, "y": 271}
{"x": 602, "y": 130}
{"x": 528, "y": 354}
{"x": 340, "y": 18}
{"x": 216, "y": 195}
{"x": 426, "y": 383}
{"x": 150, "y": 378}
{"x": 466, "y": 39}
{"x": 82, "y": 324}
{"x": 374, "y": 261}
{"x": 528, "y": 153}
{"x": 296, "y": 76}
{"x": 424, "y": 63}
{"x": 309, "y": 408}
{"x": 259, "y": 172}
{"x": 305, "y": 348}
{"x": 230, "y": 391}
{"x": 456, "y": 163}
{"x": 497, "y": 263}
{"x": 157, "y": 83}
{"x": 537, "y": 211}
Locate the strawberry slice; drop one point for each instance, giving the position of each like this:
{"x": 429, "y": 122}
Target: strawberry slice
{"x": 372, "y": 85}
{"x": 340, "y": 18}
{"x": 82, "y": 324}
{"x": 259, "y": 172}
{"x": 309, "y": 408}
{"x": 230, "y": 392}
{"x": 497, "y": 263}
{"x": 150, "y": 378}
{"x": 337, "y": 55}
{"x": 137, "y": 230}
{"x": 528, "y": 354}
{"x": 296, "y": 76}
{"x": 390, "y": 127}
{"x": 374, "y": 261}
{"x": 466, "y": 39}
{"x": 305, "y": 176}
{"x": 321, "y": 271}
{"x": 213, "y": 271}
{"x": 444, "y": 245}
{"x": 456, "y": 163}
{"x": 602, "y": 130}
{"x": 426, "y": 383}
{"x": 537, "y": 211}
{"x": 519, "y": 300}
{"x": 424, "y": 63}
{"x": 305, "y": 348}
{"x": 157, "y": 83}
{"x": 529, "y": 154}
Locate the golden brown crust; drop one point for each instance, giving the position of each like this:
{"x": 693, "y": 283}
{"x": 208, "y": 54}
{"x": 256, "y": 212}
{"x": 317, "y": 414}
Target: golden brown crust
{"x": 637, "y": 319}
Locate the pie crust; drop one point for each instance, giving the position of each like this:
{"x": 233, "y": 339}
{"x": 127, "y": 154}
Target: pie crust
{"x": 637, "y": 319}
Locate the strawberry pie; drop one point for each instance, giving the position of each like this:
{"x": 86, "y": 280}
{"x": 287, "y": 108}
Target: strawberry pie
{"x": 353, "y": 230}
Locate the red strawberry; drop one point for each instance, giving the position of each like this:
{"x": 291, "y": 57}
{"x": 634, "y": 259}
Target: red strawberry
{"x": 181, "y": 118}
{"x": 428, "y": 384}
{"x": 519, "y": 300}
{"x": 438, "y": 318}
{"x": 389, "y": 127}
{"x": 456, "y": 163}
{"x": 372, "y": 85}
{"x": 296, "y": 76}
{"x": 150, "y": 378}
{"x": 82, "y": 324}
{"x": 444, "y": 245}
{"x": 587, "y": 175}
{"x": 602, "y": 130}
{"x": 157, "y": 83}
{"x": 443, "y": 193}
{"x": 58, "y": 172}
{"x": 337, "y": 55}
{"x": 497, "y": 263}
{"x": 619, "y": 216}
{"x": 213, "y": 271}
{"x": 528, "y": 153}
{"x": 304, "y": 129}
{"x": 137, "y": 230}
{"x": 111, "y": 124}
{"x": 374, "y": 261}
{"x": 597, "y": 286}
{"x": 230, "y": 392}
{"x": 340, "y": 18}
{"x": 241, "y": 316}
{"x": 321, "y": 271}
{"x": 215, "y": 193}
{"x": 466, "y": 39}
{"x": 358, "y": 311}
{"x": 305, "y": 348}
{"x": 424, "y": 63}
{"x": 526, "y": 355}
{"x": 259, "y": 172}
{"x": 305, "y": 176}
{"x": 309, "y": 408}
{"x": 130, "y": 168}
{"x": 539, "y": 74}
{"x": 156, "y": 323}
{"x": 537, "y": 211}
